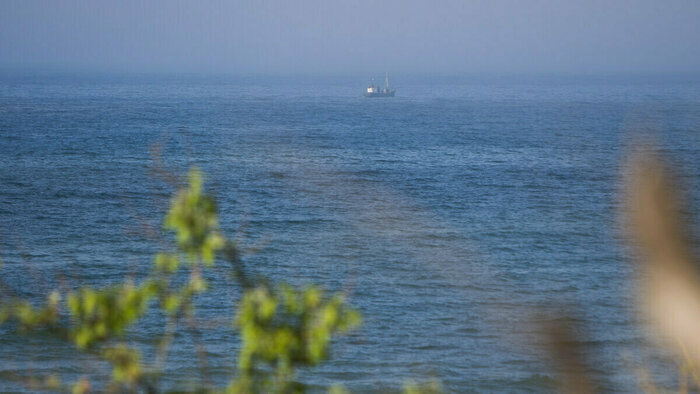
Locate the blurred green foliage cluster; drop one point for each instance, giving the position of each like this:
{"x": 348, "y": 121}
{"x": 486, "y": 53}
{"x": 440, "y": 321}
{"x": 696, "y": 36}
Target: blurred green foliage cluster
{"x": 102, "y": 314}
{"x": 284, "y": 328}
{"x": 27, "y": 316}
{"x": 281, "y": 327}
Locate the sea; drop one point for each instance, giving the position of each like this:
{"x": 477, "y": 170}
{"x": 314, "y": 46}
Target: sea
{"x": 461, "y": 218}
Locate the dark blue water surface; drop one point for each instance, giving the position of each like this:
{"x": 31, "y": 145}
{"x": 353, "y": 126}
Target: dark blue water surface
{"x": 454, "y": 213}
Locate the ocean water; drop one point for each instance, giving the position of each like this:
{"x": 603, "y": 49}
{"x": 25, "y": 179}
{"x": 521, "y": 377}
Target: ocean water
{"x": 455, "y": 215}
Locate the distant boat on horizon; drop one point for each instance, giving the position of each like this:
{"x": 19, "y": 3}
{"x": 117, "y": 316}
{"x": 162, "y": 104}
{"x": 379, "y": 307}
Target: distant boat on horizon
{"x": 374, "y": 91}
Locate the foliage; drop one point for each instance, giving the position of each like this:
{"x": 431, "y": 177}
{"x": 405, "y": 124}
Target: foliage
{"x": 193, "y": 218}
{"x": 284, "y": 328}
{"x": 27, "y": 317}
{"x": 126, "y": 364}
{"x": 431, "y": 387}
{"x": 102, "y": 314}
{"x": 281, "y": 327}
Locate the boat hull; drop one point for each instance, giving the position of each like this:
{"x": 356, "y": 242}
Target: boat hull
{"x": 379, "y": 94}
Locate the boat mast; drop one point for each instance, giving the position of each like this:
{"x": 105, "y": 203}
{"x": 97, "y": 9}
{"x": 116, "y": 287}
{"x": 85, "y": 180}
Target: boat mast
{"x": 387, "y": 81}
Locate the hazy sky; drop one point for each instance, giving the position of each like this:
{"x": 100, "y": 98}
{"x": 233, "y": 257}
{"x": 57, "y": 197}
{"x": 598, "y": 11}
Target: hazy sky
{"x": 326, "y": 36}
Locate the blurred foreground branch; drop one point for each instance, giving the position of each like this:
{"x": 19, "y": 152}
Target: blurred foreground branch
{"x": 282, "y": 328}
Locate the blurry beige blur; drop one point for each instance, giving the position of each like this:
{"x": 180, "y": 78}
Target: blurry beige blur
{"x": 668, "y": 279}
{"x": 670, "y": 286}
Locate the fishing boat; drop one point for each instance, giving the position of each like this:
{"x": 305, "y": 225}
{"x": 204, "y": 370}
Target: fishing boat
{"x": 374, "y": 91}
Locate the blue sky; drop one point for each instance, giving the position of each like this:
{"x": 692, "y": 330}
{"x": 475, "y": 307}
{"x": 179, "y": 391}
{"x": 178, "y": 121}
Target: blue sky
{"x": 408, "y": 36}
